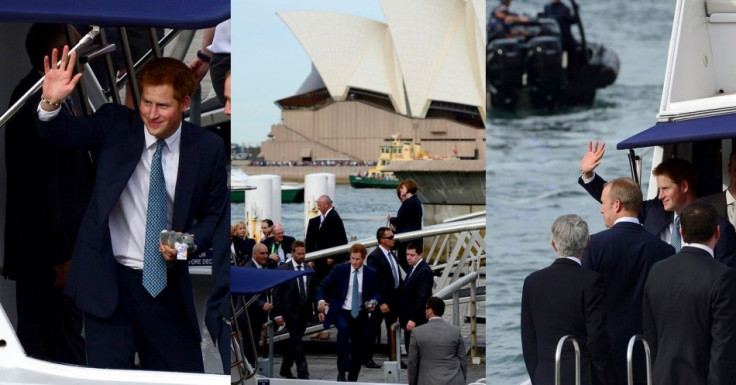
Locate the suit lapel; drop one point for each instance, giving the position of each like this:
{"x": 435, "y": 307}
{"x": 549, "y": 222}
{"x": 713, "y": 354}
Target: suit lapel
{"x": 130, "y": 155}
{"x": 188, "y": 172}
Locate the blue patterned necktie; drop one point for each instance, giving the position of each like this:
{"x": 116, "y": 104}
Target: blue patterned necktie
{"x": 154, "y": 266}
{"x": 676, "y": 242}
{"x": 355, "y": 307}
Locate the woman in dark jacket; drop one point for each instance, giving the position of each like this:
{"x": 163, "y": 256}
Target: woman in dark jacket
{"x": 409, "y": 217}
{"x": 242, "y": 246}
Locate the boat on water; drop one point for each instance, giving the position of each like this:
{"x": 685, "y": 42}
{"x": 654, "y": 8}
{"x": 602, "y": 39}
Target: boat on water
{"x": 397, "y": 150}
{"x": 543, "y": 66}
{"x": 290, "y": 193}
{"x": 696, "y": 120}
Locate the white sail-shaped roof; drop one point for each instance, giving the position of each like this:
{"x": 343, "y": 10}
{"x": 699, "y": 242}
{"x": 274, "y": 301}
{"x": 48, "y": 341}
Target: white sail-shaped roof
{"x": 428, "y": 50}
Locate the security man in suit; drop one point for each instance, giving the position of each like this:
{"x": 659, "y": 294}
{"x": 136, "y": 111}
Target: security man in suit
{"x": 154, "y": 172}
{"x": 689, "y": 308}
{"x": 47, "y": 186}
{"x": 437, "y": 351}
{"x": 324, "y": 231}
{"x": 385, "y": 262}
{"x": 293, "y": 308}
{"x": 564, "y": 299}
{"x": 417, "y": 289}
{"x": 623, "y": 254}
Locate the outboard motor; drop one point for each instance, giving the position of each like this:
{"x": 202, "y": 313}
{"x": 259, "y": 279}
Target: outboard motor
{"x": 504, "y": 71}
{"x": 546, "y": 78}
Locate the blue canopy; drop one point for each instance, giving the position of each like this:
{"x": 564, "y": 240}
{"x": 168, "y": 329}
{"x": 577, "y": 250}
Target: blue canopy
{"x": 245, "y": 280}
{"x": 125, "y": 13}
{"x": 694, "y": 130}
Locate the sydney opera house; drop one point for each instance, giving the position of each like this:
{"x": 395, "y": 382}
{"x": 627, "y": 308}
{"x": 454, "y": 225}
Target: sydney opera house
{"x": 420, "y": 75}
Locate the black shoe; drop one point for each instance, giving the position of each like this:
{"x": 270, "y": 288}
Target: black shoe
{"x": 370, "y": 364}
{"x": 341, "y": 377}
{"x": 403, "y": 365}
{"x": 287, "y": 374}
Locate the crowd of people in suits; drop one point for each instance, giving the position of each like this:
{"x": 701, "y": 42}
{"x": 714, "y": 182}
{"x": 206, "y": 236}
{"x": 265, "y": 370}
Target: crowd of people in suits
{"x": 356, "y": 292}
{"x": 663, "y": 269}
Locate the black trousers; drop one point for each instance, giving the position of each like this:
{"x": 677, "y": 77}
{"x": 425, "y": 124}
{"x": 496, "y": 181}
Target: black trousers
{"x": 375, "y": 321}
{"x": 158, "y": 329}
{"x": 296, "y": 323}
{"x": 49, "y": 324}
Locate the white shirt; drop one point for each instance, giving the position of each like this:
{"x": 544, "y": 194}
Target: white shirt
{"x": 731, "y": 207}
{"x": 127, "y": 220}
{"x": 627, "y": 219}
{"x": 699, "y": 246}
{"x": 392, "y": 263}
{"x": 348, "y": 304}
{"x": 574, "y": 259}
{"x": 221, "y": 39}
{"x": 666, "y": 234}
{"x": 304, "y": 267}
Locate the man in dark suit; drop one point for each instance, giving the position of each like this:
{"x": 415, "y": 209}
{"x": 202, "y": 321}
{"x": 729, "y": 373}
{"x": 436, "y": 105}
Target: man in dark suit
{"x": 417, "y": 289}
{"x": 324, "y": 231}
{"x": 293, "y": 307}
{"x": 351, "y": 291}
{"x": 565, "y": 299}
{"x": 689, "y": 308}
{"x": 47, "y": 188}
{"x": 437, "y": 350}
{"x": 279, "y": 245}
{"x": 154, "y": 171}
{"x": 258, "y": 310}
{"x": 623, "y": 254}
{"x": 725, "y": 201}
{"x": 676, "y": 181}
{"x": 389, "y": 277}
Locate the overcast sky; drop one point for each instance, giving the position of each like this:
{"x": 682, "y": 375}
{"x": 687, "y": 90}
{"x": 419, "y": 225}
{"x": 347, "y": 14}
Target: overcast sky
{"x": 268, "y": 62}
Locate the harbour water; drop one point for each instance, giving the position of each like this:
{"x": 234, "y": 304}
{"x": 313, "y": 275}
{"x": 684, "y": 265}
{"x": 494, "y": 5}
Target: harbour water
{"x": 533, "y": 163}
{"x": 362, "y": 211}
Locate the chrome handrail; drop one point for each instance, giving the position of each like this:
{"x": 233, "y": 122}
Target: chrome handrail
{"x": 558, "y": 357}
{"x": 630, "y": 359}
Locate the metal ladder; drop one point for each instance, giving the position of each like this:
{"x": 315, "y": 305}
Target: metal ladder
{"x": 558, "y": 357}
{"x": 630, "y": 356}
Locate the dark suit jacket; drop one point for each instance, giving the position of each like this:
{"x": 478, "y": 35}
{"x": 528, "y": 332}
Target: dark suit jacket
{"x": 559, "y": 300}
{"x": 415, "y": 293}
{"x": 48, "y": 187}
{"x": 390, "y": 296}
{"x": 286, "y": 299}
{"x": 624, "y": 254}
{"x": 689, "y": 314}
{"x": 334, "y": 288}
{"x": 114, "y": 135}
{"x": 409, "y": 217}
{"x": 718, "y": 200}
{"x": 285, "y": 244}
{"x": 655, "y": 219}
{"x": 330, "y": 234}
{"x": 243, "y": 249}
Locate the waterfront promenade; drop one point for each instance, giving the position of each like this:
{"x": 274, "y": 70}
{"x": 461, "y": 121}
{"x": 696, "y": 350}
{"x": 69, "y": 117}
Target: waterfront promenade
{"x": 297, "y": 173}
{"x": 322, "y": 358}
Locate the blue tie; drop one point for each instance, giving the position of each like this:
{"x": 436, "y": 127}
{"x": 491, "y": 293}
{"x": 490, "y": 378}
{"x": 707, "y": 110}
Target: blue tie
{"x": 154, "y": 266}
{"x": 676, "y": 242}
{"x": 355, "y": 307}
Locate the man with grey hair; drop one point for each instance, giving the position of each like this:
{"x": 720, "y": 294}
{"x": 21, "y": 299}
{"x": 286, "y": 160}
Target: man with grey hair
{"x": 565, "y": 299}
